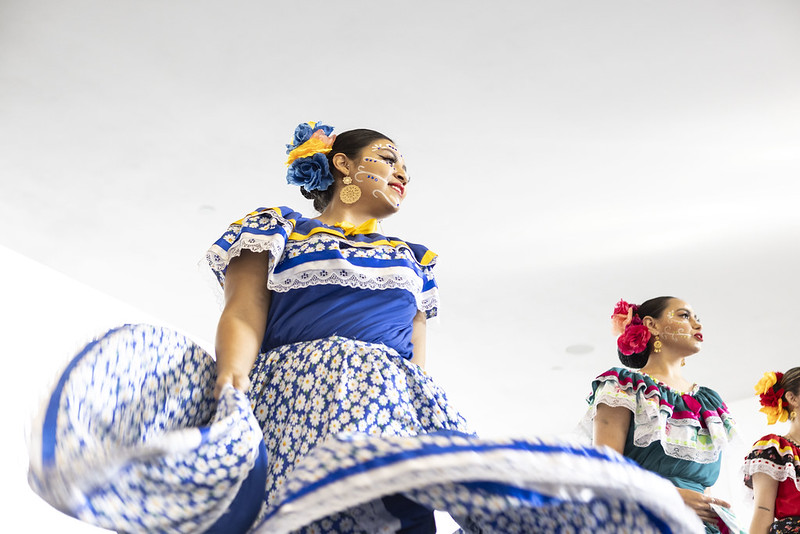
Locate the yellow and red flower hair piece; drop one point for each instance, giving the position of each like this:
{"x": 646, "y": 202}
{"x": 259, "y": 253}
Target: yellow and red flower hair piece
{"x": 771, "y": 397}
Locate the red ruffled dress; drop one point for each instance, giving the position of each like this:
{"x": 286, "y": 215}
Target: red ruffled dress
{"x": 779, "y": 458}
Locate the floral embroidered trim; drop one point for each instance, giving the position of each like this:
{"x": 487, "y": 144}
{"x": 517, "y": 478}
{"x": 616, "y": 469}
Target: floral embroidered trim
{"x": 679, "y": 428}
{"x": 774, "y": 456}
{"x": 692, "y": 391}
{"x": 219, "y": 261}
{"x": 346, "y": 277}
{"x": 346, "y": 263}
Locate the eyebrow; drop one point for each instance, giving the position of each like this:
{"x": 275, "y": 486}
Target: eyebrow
{"x": 690, "y": 312}
{"x": 396, "y": 154}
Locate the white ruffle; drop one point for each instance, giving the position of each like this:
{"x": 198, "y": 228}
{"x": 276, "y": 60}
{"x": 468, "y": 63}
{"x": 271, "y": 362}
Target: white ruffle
{"x": 218, "y": 259}
{"x": 338, "y": 271}
{"x": 565, "y": 474}
{"x": 684, "y": 439}
{"x": 779, "y": 472}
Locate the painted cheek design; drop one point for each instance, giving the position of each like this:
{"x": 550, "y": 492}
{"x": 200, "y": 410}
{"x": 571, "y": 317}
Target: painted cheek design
{"x": 391, "y": 168}
{"x": 375, "y": 178}
{"x": 677, "y": 329}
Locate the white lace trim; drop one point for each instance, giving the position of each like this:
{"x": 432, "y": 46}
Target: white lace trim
{"x": 340, "y": 272}
{"x": 332, "y": 271}
{"x": 428, "y": 301}
{"x": 219, "y": 259}
{"x": 566, "y": 475}
{"x": 778, "y": 472}
{"x": 685, "y": 440}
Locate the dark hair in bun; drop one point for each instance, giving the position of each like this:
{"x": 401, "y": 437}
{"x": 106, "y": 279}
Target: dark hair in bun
{"x": 650, "y": 308}
{"x": 349, "y": 143}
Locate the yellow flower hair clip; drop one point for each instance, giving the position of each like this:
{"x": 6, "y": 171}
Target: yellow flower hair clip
{"x": 319, "y": 143}
{"x": 771, "y": 399}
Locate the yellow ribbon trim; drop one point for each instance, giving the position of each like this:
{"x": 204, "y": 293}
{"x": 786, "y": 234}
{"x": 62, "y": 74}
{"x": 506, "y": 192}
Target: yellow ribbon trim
{"x": 367, "y": 227}
{"x": 427, "y": 258}
{"x": 781, "y": 449}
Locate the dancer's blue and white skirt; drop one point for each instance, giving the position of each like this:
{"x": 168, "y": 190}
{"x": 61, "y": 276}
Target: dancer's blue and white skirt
{"x": 334, "y": 435}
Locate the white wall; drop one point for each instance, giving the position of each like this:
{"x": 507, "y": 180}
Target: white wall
{"x": 46, "y": 317}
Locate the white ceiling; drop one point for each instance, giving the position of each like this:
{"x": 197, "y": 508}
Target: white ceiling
{"x": 565, "y": 154}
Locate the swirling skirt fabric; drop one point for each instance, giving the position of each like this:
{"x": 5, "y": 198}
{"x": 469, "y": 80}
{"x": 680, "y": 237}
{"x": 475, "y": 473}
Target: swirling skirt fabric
{"x": 335, "y": 435}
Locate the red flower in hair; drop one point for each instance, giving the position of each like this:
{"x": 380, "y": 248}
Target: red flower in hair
{"x": 634, "y": 339}
{"x": 772, "y": 397}
{"x": 622, "y": 307}
{"x": 622, "y": 317}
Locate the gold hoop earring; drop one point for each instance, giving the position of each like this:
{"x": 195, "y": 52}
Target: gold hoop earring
{"x": 683, "y": 362}
{"x": 350, "y": 193}
{"x": 792, "y": 415}
{"x": 657, "y": 345}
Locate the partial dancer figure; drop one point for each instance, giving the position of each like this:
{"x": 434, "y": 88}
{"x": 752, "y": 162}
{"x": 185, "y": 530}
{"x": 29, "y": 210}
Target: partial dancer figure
{"x": 650, "y": 413}
{"x": 317, "y": 415}
{"x": 772, "y": 469}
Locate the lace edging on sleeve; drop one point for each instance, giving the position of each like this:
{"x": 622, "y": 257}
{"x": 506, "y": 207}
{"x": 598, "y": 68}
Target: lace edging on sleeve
{"x": 774, "y": 456}
{"x": 263, "y": 230}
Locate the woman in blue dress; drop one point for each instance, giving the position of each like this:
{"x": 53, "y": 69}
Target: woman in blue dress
{"x": 317, "y": 415}
{"x": 650, "y": 413}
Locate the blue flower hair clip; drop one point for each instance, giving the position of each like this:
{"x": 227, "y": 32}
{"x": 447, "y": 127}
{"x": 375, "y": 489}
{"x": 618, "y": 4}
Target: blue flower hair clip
{"x": 307, "y": 162}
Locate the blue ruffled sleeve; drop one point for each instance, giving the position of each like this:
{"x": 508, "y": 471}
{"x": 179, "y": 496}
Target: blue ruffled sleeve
{"x": 263, "y": 230}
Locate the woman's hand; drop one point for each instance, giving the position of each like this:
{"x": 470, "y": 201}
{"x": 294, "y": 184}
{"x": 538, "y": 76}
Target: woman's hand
{"x": 701, "y": 504}
{"x": 239, "y": 381}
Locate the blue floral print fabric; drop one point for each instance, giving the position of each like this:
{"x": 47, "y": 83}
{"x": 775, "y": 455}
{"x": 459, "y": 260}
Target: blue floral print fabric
{"x": 132, "y": 439}
{"x": 339, "y": 432}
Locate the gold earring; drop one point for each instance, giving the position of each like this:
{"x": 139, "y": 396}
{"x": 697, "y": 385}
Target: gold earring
{"x": 683, "y": 362}
{"x": 350, "y": 193}
{"x": 657, "y": 345}
{"x": 792, "y": 415}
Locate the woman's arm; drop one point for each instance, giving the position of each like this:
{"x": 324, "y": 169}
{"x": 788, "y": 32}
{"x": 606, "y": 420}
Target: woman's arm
{"x": 765, "y": 490}
{"x": 243, "y": 321}
{"x": 418, "y": 338}
{"x": 611, "y": 425}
